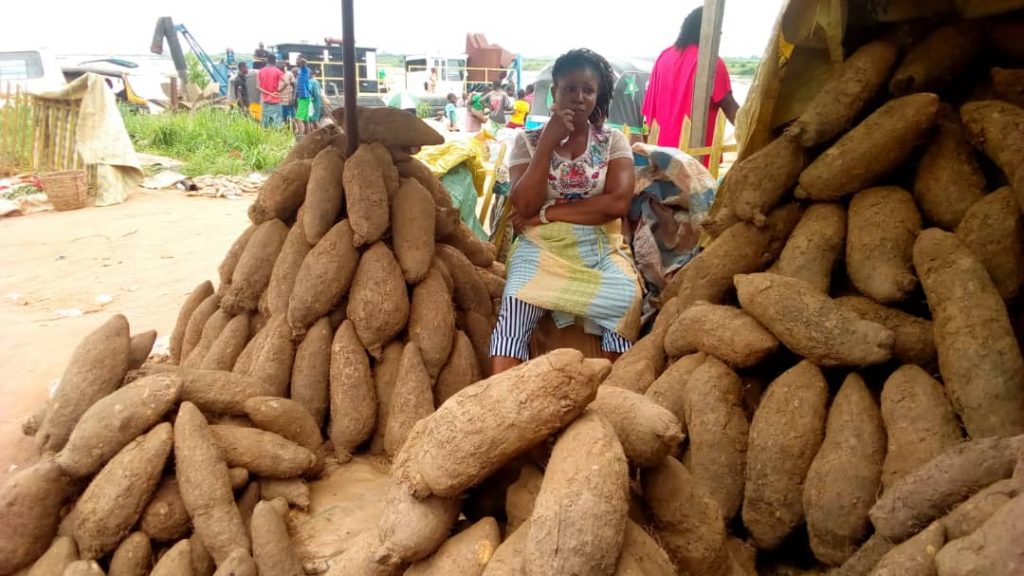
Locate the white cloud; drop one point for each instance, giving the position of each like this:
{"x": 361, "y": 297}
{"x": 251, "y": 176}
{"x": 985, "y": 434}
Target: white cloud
{"x": 529, "y": 27}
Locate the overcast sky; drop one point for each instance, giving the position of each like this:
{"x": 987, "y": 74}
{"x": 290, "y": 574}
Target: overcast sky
{"x": 529, "y": 27}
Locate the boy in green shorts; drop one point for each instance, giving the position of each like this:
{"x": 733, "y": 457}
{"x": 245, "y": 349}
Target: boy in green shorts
{"x": 302, "y": 97}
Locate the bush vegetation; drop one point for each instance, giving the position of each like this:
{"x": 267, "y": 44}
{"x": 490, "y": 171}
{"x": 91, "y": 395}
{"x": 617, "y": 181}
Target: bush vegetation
{"x": 742, "y": 66}
{"x": 209, "y": 140}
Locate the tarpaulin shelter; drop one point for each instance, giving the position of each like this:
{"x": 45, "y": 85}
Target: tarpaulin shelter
{"x": 100, "y": 137}
{"x": 631, "y": 77}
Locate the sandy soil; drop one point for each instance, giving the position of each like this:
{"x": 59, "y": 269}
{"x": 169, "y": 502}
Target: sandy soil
{"x": 147, "y": 254}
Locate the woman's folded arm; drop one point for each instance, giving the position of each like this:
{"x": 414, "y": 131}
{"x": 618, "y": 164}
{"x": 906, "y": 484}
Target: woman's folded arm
{"x": 603, "y": 208}
{"x": 530, "y": 181}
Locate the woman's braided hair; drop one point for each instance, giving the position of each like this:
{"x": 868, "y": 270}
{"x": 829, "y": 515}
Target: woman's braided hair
{"x": 584, "y": 58}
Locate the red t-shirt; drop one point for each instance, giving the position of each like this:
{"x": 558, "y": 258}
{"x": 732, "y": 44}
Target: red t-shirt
{"x": 269, "y": 78}
{"x": 669, "y": 96}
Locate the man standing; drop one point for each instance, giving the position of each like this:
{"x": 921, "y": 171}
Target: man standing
{"x": 259, "y": 57}
{"x": 432, "y": 81}
{"x": 287, "y": 94}
{"x": 239, "y": 88}
{"x": 270, "y": 80}
{"x": 499, "y": 103}
{"x": 669, "y": 96}
{"x": 302, "y": 97}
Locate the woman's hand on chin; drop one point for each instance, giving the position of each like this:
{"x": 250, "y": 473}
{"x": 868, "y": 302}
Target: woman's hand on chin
{"x": 560, "y": 126}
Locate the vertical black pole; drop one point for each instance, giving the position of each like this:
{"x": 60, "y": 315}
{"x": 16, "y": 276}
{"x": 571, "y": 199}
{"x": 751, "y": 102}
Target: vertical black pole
{"x": 348, "y": 47}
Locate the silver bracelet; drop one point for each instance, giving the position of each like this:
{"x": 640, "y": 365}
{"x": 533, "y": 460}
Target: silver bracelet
{"x": 544, "y": 213}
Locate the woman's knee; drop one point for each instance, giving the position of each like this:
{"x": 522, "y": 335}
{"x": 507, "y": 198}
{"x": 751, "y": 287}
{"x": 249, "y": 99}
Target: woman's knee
{"x": 516, "y": 322}
{"x": 614, "y": 343}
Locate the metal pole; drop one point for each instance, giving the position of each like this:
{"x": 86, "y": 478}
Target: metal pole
{"x": 351, "y": 84}
{"x": 707, "y": 57}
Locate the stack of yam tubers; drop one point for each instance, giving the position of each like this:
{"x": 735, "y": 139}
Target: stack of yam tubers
{"x": 833, "y": 385}
{"x": 859, "y": 304}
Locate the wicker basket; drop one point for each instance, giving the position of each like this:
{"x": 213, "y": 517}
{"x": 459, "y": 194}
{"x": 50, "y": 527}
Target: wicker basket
{"x": 67, "y": 190}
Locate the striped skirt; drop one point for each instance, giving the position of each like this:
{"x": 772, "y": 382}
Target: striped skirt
{"x": 577, "y": 271}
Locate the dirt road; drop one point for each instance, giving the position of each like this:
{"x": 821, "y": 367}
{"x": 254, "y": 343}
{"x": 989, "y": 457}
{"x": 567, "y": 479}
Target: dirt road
{"x": 146, "y": 254}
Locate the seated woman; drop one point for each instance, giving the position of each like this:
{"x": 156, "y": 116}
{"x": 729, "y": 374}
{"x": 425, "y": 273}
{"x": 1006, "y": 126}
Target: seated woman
{"x": 572, "y": 182}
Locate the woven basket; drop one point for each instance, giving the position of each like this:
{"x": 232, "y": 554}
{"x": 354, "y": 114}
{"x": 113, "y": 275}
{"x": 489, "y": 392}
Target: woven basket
{"x": 67, "y": 190}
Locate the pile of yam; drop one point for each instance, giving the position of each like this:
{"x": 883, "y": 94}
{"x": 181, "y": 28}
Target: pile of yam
{"x": 833, "y": 385}
{"x": 867, "y": 409}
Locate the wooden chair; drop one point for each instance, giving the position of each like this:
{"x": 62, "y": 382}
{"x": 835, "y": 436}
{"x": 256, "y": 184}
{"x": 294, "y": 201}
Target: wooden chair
{"x": 498, "y": 229}
{"x": 489, "y": 180}
{"x": 548, "y": 336}
{"x": 717, "y": 142}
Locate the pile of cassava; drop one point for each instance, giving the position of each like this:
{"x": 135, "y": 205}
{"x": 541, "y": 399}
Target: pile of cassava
{"x": 828, "y": 386}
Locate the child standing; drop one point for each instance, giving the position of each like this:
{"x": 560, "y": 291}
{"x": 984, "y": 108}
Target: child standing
{"x": 450, "y": 115}
{"x": 519, "y": 111}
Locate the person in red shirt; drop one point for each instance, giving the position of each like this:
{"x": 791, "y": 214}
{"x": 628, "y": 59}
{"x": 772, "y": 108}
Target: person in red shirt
{"x": 270, "y": 80}
{"x": 669, "y": 96}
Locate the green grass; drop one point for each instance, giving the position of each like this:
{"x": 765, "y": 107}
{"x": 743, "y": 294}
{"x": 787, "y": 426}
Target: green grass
{"x": 742, "y": 66}
{"x": 209, "y": 140}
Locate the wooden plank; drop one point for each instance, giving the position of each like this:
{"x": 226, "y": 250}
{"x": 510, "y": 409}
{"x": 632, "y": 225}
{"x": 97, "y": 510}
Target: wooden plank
{"x": 12, "y": 127}
{"x": 50, "y": 125}
{"x": 684, "y": 135}
{"x": 69, "y": 142}
{"x": 26, "y": 136}
{"x": 652, "y": 137}
{"x": 37, "y": 135}
{"x": 489, "y": 181}
{"x": 707, "y": 57}
{"x": 52, "y": 139}
{"x": 60, "y": 138}
{"x": 6, "y": 135}
{"x": 12, "y": 124}
{"x": 705, "y": 150}
{"x": 16, "y": 141}
{"x": 76, "y": 162}
{"x": 25, "y": 122}
{"x": 71, "y": 150}
{"x": 44, "y": 136}
{"x": 716, "y": 145}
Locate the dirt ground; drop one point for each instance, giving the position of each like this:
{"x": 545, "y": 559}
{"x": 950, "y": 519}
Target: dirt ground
{"x": 147, "y": 254}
